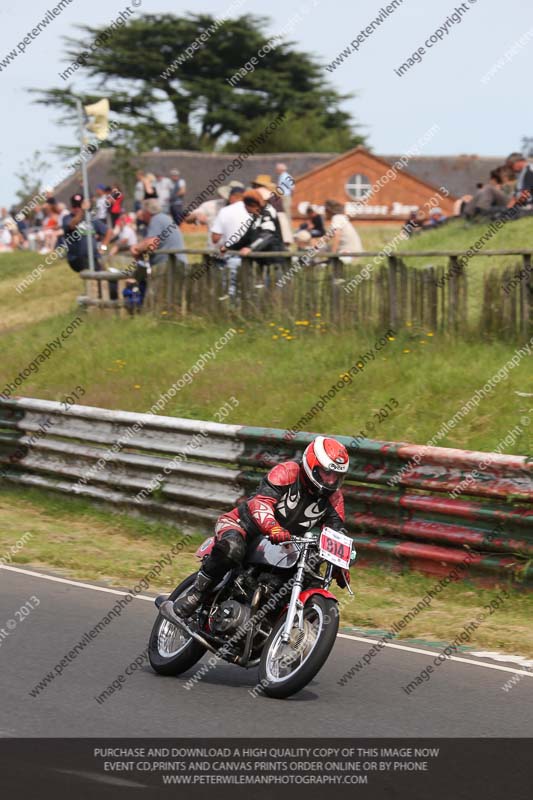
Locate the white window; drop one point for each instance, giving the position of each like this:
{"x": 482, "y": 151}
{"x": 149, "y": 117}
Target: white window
{"x": 358, "y": 186}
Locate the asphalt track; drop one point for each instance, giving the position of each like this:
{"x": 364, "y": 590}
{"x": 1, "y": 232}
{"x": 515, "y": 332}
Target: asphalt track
{"x": 461, "y": 699}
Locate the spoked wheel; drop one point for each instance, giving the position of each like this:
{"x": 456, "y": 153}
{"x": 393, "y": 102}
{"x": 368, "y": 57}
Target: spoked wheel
{"x": 286, "y": 668}
{"x": 170, "y": 650}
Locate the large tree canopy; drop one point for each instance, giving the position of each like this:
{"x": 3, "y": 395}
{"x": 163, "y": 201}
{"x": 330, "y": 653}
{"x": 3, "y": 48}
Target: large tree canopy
{"x": 193, "y": 106}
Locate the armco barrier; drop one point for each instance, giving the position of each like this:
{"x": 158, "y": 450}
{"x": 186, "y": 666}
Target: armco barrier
{"x": 113, "y": 455}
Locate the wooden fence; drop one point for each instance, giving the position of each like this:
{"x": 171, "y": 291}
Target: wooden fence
{"x": 391, "y": 293}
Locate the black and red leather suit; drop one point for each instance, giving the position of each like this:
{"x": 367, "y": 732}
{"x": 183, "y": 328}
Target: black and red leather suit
{"x": 283, "y": 501}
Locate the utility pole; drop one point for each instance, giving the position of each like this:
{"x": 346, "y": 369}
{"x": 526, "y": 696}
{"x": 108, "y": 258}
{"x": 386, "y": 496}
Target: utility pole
{"x": 88, "y": 221}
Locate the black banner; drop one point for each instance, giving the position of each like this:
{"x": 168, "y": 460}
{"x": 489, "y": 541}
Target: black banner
{"x": 451, "y": 769}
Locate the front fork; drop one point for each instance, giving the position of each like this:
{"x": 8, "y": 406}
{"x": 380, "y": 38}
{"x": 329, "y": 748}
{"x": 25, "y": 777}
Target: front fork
{"x": 295, "y": 605}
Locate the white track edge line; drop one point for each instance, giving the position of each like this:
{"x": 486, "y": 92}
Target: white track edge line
{"x": 339, "y": 635}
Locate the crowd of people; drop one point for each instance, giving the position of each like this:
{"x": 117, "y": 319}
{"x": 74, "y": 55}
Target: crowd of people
{"x": 240, "y": 221}
{"x": 508, "y": 186}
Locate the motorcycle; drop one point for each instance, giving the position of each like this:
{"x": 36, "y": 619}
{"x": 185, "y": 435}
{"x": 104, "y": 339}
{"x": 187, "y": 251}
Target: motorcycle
{"x": 275, "y": 612}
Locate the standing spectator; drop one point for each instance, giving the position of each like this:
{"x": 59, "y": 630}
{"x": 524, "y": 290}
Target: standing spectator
{"x": 163, "y": 186}
{"x": 344, "y": 237}
{"x": 177, "y": 196}
{"x": 138, "y": 194}
{"x": 207, "y": 212}
{"x": 102, "y": 202}
{"x": 76, "y": 238}
{"x": 264, "y": 234}
{"x": 148, "y": 185}
{"x": 271, "y": 194}
{"x": 230, "y": 224}
{"x": 116, "y": 200}
{"x": 285, "y": 188}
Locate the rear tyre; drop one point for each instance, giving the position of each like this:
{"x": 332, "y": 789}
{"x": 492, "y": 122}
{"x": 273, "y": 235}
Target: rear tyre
{"x": 286, "y": 668}
{"x": 170, "y": 650}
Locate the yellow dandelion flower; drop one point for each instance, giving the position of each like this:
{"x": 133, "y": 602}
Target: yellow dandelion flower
{"x": 430, "y": 334}
{"x": 391, "y": 338}
{"x": 318, "y": 314}
{"x": 136, "y": 385}
{"x": 423, "y": 341}
{"x": 409, "y": 324}
{"x": 275, "y": 336}
{"x": 272, "y": 324}
{"x": 164, "y": 313}
{"x": 406, "y": 351}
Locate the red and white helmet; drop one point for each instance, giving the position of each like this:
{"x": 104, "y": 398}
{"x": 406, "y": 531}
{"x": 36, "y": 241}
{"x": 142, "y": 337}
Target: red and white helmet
{"x": 325, "y": 462}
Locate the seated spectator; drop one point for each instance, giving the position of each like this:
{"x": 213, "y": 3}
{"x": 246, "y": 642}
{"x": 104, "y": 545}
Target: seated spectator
{"x": 414, "y": 223}
{"x": 124, "y": 235}
{"x": 343, "y": 236}
{"x": 76, "y": 238}
{"x": 314, "y": 223}
{"x": 436, "y": 218}
{"x": 161, "y": 233}
{"x": 488, "y": 198}
{"x": 523, "y": 194}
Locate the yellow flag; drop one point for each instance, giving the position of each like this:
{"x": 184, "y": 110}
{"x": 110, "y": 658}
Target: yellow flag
{"x": 100, "y": 123}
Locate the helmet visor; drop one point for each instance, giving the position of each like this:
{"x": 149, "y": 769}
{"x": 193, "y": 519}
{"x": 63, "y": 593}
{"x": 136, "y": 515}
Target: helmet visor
{"x": 328, "y": 479}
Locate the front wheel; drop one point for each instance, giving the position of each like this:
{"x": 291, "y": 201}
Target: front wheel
{"x": 286, "y": 668}
{"x": 170, "y": 650}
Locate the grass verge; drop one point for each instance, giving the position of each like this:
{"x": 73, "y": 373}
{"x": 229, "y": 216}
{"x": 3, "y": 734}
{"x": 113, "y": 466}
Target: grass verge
{"x": 73, "y": 538}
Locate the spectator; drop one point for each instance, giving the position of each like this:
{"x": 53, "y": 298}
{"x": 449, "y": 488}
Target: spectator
{"x": 148, "y": 185}
{"x": 116, "y": 199}
{"x": 164, "y": 186}
{"x": 414, "y": 223}
{"x": 161, "y": 233}
{"x": 436, "y": 218}
{"x": 102, "y": 202}
{"x": 124, "y": 235}
{"x": 344, "y": 237}
{"x": 314, "y": 223}
{"x": 271, "y": 193}
{"x": 76, "y": 238}
{"x": 285, "y": 188}
{"x": 489, "y": 198}
{"x": 207, "y": 212}
{"x": 138, "y": 194}
{"x": 229, "y": 226}
{"x": 524, "y": 184}
{"x": 177, "y": 196}
{"x": 264, "y": 233}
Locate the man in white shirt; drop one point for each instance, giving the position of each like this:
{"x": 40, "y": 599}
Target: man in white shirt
{"x": 229, "y": 227}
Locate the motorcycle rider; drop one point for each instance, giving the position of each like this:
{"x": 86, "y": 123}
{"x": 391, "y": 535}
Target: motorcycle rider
{"x": 293, "y": 497}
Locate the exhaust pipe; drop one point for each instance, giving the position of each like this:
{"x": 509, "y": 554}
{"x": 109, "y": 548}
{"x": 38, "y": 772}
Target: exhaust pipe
{"x": 166, "y": 609}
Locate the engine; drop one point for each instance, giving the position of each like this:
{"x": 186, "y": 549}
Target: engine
{"x": 229, "y": 616}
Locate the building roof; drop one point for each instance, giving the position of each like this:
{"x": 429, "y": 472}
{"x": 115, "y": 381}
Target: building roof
{"x": 459, "y": 174}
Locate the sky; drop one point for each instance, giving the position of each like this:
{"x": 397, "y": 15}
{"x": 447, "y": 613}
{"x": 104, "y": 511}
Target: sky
{"x": 442, "y": 86}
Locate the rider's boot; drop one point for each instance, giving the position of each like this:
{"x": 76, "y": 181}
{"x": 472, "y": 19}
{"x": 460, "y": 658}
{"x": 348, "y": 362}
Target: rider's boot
{"x": 191, "y": 602}
{"x": 227, "y": 553}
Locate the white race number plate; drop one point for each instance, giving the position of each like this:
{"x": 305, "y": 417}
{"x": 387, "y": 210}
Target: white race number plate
{"x": 336, "y": 548}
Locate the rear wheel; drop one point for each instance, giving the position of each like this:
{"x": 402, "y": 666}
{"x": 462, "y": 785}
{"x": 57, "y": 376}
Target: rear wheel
{"x": 286, "y": 668}
{"x": 170, "y": 650}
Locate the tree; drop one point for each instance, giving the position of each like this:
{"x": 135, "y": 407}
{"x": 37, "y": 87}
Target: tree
{"x": 169, "y": 97}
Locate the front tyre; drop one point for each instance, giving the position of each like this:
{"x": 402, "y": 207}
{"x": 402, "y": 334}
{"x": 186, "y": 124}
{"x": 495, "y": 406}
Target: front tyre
{"x": 286, "y": 668}
{"x": 170, "y": 650}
